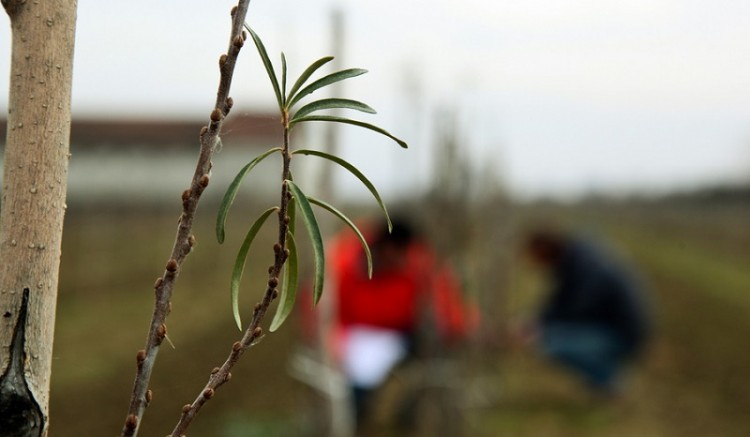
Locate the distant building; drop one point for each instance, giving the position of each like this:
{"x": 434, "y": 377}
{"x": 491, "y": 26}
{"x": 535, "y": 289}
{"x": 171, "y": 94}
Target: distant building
{"x": 149, "y": 161}
{"x": 245, "y": 130}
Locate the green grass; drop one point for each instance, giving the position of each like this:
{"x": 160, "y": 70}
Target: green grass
{"x": 109, "y": 264}
{"x": 693, "y": 382}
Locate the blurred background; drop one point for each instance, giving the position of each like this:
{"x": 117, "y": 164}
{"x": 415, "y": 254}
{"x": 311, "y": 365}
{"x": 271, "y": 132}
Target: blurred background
{"x": 625, "y": 120}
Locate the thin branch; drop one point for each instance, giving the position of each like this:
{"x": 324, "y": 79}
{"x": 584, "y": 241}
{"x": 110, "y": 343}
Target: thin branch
{"x": 184, "y": 240}
{"x": 254, "y": 332}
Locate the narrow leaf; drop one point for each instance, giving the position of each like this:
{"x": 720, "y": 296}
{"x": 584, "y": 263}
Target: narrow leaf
{"x": 292, "y": 213}
{"x": 322, "y": 104}
{"x": 351, "y": 224}
{"x": 331, "y": 118}
{"x": 267, "y": 63}
{"x": 239, "y": 263}
{"x": 231, "y": 193}
{"x": 283, "y": 78}
{"x": 288, "y": 286}
{"x": 306, "y": 75}
{"x": 352, "y": 169}
{"x": 289, "y": 282}
{"x": 324, "y": 81}
{"x": 317, "y": 241}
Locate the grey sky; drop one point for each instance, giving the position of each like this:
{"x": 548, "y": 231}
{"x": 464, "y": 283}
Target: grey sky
{"x": 559, "y": 96}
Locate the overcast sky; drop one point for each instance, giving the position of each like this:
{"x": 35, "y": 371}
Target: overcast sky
{"x": 556, "y": 97}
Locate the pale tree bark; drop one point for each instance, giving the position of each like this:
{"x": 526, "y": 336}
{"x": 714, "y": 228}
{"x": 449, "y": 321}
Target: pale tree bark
{"x": 33, "y": 206}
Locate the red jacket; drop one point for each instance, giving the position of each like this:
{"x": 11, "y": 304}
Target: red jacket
{"x": 397, "y": 298}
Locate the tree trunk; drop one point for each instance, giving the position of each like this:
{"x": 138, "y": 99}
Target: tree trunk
{"x": 33, "y": 206}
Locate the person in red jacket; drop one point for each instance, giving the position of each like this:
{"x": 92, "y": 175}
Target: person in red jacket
{"x": 377, "y": 319}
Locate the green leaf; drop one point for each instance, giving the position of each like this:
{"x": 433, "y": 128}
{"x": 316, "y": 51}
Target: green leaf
{"x": 288, "y": 286}
{"x": 239, "y": 263}
{"x": 231, "y": 193}
{"x": 267, "y": 63}
{"x": 317, "y": 241}
{"x": 322, "y": 104}
{"x": 331, "y": 118}
{"x": 306, "y": 75}
{"x": 283, "y": 78}
{"x": 292, "y": 213}
{"x": 352, "y": 169}
{"x": 324, "y": 81}
{"x": 351, "y": 224}
{"x": 289, "y": 282}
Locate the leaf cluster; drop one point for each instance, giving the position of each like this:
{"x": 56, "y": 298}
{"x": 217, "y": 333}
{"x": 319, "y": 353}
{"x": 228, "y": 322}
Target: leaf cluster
{"x": 287, "y": 101}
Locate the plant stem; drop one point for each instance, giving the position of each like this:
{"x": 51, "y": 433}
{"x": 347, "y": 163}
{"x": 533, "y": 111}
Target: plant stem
{"x": 254, "y": 332}
{"x": 184, "y": 240}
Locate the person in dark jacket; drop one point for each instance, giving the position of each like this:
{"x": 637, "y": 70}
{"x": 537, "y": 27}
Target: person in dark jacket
{"x": 595, "y": 320}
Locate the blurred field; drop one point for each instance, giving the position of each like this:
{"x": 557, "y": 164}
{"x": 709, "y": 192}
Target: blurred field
{"x": 695, "y": 381}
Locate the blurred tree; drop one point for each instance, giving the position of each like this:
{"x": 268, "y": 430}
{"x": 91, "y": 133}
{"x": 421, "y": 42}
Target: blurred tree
{"x": 33, "y": 206}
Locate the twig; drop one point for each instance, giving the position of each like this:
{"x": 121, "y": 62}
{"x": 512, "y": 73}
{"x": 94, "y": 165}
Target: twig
{"x": 184, "y": 240}
{"x": 254, "y": 332}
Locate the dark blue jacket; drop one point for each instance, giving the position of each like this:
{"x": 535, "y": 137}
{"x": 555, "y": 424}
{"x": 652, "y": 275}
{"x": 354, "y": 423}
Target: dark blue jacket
{"x": 593, "y": 287}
